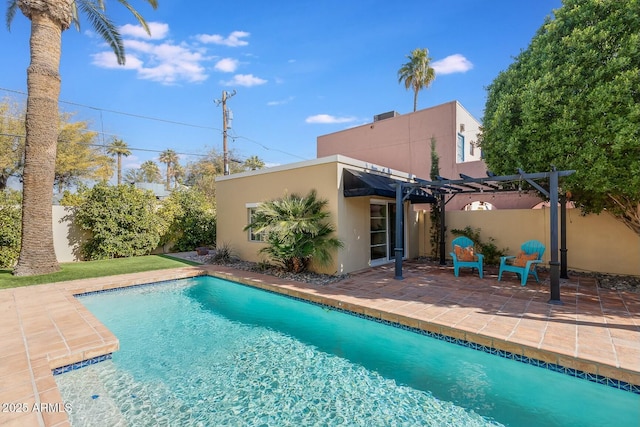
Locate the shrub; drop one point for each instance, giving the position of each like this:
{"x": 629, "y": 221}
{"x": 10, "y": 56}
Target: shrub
{"x": 192, "y": 220}
{"x": 10, "y": 227}
{"x": 122, "y": 221}
{"x": 490, "y": 251}
{"x": 296, "y": 231}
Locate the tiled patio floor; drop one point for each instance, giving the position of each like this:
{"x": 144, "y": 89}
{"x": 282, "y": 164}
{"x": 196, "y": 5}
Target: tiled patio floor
{"x": 596, "y": 330}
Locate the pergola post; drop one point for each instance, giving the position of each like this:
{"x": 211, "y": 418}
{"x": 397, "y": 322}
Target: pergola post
{"x": 554, "y": 265}
{"x": 398, "y": 249}
{"x": 443, "y": 250}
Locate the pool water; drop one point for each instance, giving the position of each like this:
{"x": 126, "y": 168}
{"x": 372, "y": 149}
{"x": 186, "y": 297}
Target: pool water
{"x": 209, "y": 352}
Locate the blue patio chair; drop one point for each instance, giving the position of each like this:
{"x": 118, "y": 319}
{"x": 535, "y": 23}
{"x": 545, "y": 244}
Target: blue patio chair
{"x": 464, "y": 255}
{"x": 525, "y": 263}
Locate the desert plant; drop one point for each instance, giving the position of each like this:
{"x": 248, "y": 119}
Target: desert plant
{"x": 223, "y": 254}
{"x": 296, "y": 231}
{"x": 490, "y": 251}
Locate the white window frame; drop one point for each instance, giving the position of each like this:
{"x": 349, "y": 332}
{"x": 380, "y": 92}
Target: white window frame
{"x": 251, "y": 236}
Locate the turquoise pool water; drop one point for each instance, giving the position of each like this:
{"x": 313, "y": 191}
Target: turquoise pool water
{"x": 208, "y": 352}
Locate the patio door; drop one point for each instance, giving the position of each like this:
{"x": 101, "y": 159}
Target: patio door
{"x": 382, "y": 231}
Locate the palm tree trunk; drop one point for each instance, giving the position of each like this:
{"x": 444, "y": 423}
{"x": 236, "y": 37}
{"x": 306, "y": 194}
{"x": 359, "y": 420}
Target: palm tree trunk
{"x": 37, "y": 254}
{"x": 415, "y": 100}
{"x": 119, "y": 168}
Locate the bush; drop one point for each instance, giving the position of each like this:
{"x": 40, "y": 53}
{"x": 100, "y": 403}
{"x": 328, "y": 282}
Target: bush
{"x": 490, "y": 251}
{"x": 10, "y": 227}
{"x": 121, "y": 220}
{"x": 296, "y": 231}
{"x": 192, "y": 220}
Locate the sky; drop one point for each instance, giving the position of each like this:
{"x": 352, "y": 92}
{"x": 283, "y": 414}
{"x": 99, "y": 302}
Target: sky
{"x": 299, "y": 69}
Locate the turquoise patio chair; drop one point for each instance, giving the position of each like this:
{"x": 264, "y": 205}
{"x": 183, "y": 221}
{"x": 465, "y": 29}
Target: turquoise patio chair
{"x": 464, "y": 255}
{"x": 525, "y": 263}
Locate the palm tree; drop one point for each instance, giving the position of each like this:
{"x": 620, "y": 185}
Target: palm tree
{"x": 417, "y": 73}
{"x": 119, "y": 148}
{"x": 151, "y": 172}
{"x": 295, "y": 230}
{"x": 170, "y": 158}
{"x": 49, "y": 18}
{"x": 253, "y": 163}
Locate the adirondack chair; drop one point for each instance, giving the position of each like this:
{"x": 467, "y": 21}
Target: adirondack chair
{"x": 464, "y": 255}
{"x": 525, "y": 263}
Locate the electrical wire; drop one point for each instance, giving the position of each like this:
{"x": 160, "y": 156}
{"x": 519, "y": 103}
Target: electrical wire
{"x": 139, "y": 116}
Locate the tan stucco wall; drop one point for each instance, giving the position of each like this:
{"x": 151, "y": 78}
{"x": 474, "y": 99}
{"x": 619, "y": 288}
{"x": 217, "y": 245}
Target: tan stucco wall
{"x": 597, "y": 243}
{"x": 67, "y": 237}
{"x": 349, "y": 215}
{"x": 235, "y": 191}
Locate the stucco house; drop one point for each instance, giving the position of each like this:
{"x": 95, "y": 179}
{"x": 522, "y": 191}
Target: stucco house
{"x": 403, "y": 142}
{"x": 361, "y": 203}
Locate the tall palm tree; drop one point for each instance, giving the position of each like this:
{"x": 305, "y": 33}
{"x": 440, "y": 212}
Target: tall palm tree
{"x": 119, "y": 148}
{"x": 151, "y": 172}
{"x": 253, "y": 163}
{"x": 49, "y": 18}
{"x": 417, "y": 73}
{"x": 170, "y": 158}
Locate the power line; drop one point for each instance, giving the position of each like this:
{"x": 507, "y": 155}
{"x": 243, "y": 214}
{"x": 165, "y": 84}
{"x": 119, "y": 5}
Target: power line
{"x": 139, "y": 116}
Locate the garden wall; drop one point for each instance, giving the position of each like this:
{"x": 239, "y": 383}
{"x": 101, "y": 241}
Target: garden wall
{"x": 596, "y": 243}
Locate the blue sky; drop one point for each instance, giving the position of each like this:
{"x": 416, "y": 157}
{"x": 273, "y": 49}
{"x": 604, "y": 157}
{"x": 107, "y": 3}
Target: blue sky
{"x": 300, "y": 68}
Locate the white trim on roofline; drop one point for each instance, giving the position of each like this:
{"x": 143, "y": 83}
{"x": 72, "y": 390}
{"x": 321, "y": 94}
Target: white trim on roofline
{"x": 335, "y": 158}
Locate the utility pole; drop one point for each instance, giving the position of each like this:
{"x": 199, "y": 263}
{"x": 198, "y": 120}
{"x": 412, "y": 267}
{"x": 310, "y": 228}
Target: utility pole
{"x": 226, "y": 117}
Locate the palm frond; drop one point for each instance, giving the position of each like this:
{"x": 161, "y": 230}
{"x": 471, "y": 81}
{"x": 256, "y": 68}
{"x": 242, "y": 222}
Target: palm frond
{"x": 135, "y": 13}
{"x": 12, "y": 8}
{"x": 103, "y": 26}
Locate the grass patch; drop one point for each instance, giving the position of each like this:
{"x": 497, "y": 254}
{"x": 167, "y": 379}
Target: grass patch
{"x": 88, "y": 269}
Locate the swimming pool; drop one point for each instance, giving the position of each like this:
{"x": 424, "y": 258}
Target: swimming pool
{"x": 205, "y": 351}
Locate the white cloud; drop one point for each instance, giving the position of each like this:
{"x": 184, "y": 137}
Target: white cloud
{"x": 232, "y": 40}
{"x": 165, "y": 63}
{"x": 158, "y": 31}
{"x": 227, "y": 65}
{"x": 452, "y": 64}
{"x": 247, "y": 80}
{"x": 280, "y": 102}
{"x": 326, "y": 118}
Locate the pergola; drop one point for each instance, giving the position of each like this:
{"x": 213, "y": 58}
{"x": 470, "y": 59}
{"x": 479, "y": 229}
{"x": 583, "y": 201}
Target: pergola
{"x": 545, "y": 182}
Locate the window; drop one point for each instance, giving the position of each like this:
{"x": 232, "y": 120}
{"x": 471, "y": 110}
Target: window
{"x": 460, "y": 149}
{"x": 253, "y": 237}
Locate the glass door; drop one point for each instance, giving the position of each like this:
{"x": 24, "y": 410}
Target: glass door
{"x": 378, "y": 230}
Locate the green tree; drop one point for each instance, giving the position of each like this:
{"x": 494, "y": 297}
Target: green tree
{"x": 151, "y": 172}
{"x": 119, "y": 148}
{"x": 169, "y": 158}
{"x": 296, "y": 230}
{"x": 417, "y": 74}
{"x": 192, "y": 219}
{"x": 49, "y": 18}
{"x": 11, "y": 140}
{"x": 77, "y": 157}
{"x": 10, "y": 214}
{"x": 435, "y": 214}
{"x": 572, "y": 100}
{"x": 202, "y": 173}
{"x": 122, "y": 221}
{"x": 253, "y": 163}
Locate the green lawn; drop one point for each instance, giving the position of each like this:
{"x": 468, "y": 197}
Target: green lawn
{"x": 87, "y": 269}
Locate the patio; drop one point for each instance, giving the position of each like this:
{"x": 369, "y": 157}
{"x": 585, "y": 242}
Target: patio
{"x": 596, "y": 330}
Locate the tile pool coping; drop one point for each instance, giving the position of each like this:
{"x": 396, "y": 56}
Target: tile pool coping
{"x": 599, "y": 379}
{"x": 52, "y": 311}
